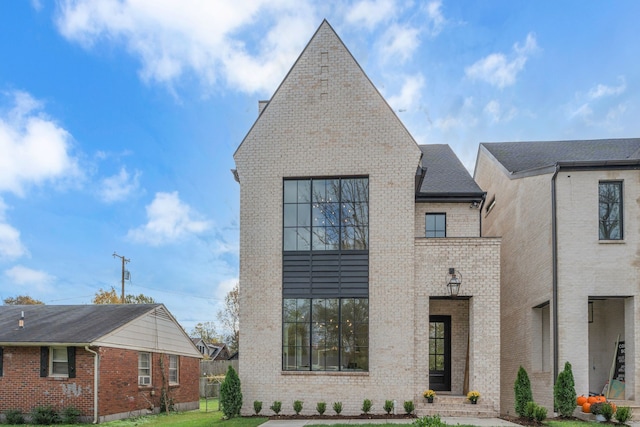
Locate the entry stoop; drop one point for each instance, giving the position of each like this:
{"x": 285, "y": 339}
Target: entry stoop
{"x": 455, "y": 406}
{"x": 635, "y": 410}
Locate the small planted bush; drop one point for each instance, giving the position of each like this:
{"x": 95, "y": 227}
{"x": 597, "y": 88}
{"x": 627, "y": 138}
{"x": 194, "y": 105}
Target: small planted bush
{"x": 366, "y": 406}
{"x": 276, "y": 407}
{"x": 388, "y": 406}
{"x": 529, "y": 410}
{"x": 14, "y": 416}
{"x": 337, "y": 407}
{"x": 522, "y": 389}
{"x": 257, "y": 406}
{"x": 540, "y": 413}
{"x": 230, "y": 394}
{"x": 321, "y": 407}
{"x": 71, "y": 415}
{"x": 606, "y": 411}
{"x": 429, "y": 421}
{"x": 44, "y": 415}
{"x": 623, "y": 414}
{"x": 409, "y": 407}
{"x": 297, "y": 406}
{"x": 564, "y": 392}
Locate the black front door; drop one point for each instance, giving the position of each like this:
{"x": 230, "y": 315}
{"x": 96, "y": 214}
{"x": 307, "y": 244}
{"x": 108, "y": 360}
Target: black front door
{"x": 440, "y": 353}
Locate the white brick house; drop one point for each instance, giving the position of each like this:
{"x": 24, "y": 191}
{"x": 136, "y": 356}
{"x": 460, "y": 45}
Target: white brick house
{"x": 568, "y": 215}
{"x": 348, "y": 230}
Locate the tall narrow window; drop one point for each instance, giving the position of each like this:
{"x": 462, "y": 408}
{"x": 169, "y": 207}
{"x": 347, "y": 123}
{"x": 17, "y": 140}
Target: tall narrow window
{"x": 59, "y": 363}
{"x": 436, "y": 225}
{"x": 144, "y": 369}
{"x": 173, "y": 369}
{"x": 610, "y": 210}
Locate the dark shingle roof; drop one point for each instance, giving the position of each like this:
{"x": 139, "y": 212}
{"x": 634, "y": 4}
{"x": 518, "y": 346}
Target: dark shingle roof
{"x": 519, "y": 157}
{"x": 445, "y": 175}
{"x": 66, "y": 323}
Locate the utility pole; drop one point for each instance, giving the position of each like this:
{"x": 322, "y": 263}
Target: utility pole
{"x": 124, "y": 260}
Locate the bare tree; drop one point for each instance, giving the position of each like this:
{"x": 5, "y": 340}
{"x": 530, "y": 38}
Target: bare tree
{"x": 229, "y": 319}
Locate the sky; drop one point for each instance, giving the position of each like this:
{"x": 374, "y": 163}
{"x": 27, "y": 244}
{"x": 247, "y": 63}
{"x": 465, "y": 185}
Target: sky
{"x": 119, "y": 118}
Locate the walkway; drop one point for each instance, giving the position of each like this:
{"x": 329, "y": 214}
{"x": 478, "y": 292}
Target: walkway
{"x": 452, "y": 421}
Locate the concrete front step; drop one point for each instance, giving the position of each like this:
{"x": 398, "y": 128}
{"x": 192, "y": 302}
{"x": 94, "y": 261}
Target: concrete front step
{"x": 455, "y": 406}
{"x": 635, "y": 409}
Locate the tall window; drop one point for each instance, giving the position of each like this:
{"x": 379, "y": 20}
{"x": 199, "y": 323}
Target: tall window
{"x": 610, "y": 210}
{"x": 144, "y": 368}
{"x": 436, "y": 225}
{"x": 59, "y": 363}
{"x": 173, "y": 369}
{"x": 326, "y": 214}
{"x": 326, "y": 334}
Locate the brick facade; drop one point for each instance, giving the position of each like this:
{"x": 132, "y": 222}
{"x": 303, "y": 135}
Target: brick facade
{"x": 22, "y": 388}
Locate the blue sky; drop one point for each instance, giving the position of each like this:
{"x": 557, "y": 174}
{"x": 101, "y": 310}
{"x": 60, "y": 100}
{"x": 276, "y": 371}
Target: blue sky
{"x": 119, "y": 119}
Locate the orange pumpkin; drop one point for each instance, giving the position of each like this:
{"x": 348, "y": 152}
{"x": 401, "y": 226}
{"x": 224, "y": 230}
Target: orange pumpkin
{"x": 586, "y": 407}
{"x": 601, "y": 399}
{"x": 581, "y": 400}
{"x": 592, "y": 399}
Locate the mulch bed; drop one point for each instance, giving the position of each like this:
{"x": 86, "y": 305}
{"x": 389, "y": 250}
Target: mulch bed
{"x": 341, "y": 417}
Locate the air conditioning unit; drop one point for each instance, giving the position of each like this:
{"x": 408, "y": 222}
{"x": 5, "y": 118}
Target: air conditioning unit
{"x": 144, "y": 380}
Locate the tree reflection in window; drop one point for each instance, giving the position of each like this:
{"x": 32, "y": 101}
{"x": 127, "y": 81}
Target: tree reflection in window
{"x": 610, "y": 210}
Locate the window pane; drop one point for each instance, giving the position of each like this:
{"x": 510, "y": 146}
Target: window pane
{"x": 304, "y": 191}
{"x": 303, "y": 238}
{"x": 290, "y": 215}
{"x": 60, "y": 368}
{"x": 290, "y": 237}
{"x": 290, "y": 191}
{"x": 304, "y": 215}
{"x": 610, "y": 210}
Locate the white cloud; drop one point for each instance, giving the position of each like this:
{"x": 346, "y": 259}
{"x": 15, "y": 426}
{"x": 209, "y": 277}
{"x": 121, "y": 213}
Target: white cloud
{"x": 399, "y": 42}
{"x": 10, "y": 245}
{"x": 436, "y": 20}
{"x": 497, "y": 114}
{"x": 463, "y": 117}
{"x": 118, "y": 187}
{"x": 600, "y": 90}
{"x": 600, "y": 106}
{"x": 23, "y": 276}
{"x": 34, "y": 148}
{"x": 370, "y": 13}
{"x": 499, "y": 71}
{"x": 169, "y": 220}
{"x": 208, "y": 39}
{"x": 409, "y": 95}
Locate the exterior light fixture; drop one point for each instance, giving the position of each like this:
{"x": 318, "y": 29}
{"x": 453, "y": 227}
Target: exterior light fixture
{"x": 454, "y": 280}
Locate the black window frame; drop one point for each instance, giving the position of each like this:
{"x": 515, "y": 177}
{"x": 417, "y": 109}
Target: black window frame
{"x": 606, "y": 235}
{"x": 435, "y": 230}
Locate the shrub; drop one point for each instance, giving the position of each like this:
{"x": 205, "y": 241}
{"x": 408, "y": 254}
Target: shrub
{"x": 71, "y": 415}
{"x": 297, "y": 406}
{"x": 623, "y": 414}
{"x": 257, "y": 406}
{"x": 388, "y": 406}
{"x": 276, "y": 407}
{"x": 522, "y": 389}
{"x": 45, "y": 415}
{"x": 409, "y": 407}
{"x": 337, "y": 406}
{"x": 529, "y": 410}
{"x": 606, "y": 410}
{"x": 540, "y": 413}
{"x": 231, "y": 394}
{"x": 321, "y": 407}
{"x": 429, "y": 421}
{"x": 596, "y": 408}
{"x": 366, "y": 406}
{"x": 14, "y": 416}
{"x": 564, "y": 392}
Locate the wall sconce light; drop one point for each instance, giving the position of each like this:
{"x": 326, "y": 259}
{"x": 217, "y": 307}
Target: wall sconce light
{"x": 454, "y": 280}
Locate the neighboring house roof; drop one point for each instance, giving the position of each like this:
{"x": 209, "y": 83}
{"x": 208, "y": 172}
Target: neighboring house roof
{"x": 531, "y": 158}
{"x": 135, "y": 326}
{"x": 444, "y": 176}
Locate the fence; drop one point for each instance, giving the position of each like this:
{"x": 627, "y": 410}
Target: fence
{"x": 210, "y": 368}
{"x": 210, "y": 392}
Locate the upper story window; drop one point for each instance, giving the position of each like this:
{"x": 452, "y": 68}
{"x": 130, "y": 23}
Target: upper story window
{"x": 326, "y": 214}
{"x": 610, "y": 210}
{"x": 436, "y": 225}
{"x": 144, "y": 368}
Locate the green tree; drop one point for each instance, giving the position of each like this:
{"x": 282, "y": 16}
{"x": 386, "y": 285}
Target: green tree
{"x": 522, "y": 389}
{"x": 22, "y": 300}
{"x": 206, "y": 331}
{"x": 229, "y": 318}
{"x": 231, "y": 394}
{"x": 564, "y": 392}
{"x": 113, "y": 297}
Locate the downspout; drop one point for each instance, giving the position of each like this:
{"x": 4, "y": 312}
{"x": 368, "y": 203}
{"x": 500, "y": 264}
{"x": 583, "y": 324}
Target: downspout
{"x": 554, "y": 261}
{"x": 95, "y": 383}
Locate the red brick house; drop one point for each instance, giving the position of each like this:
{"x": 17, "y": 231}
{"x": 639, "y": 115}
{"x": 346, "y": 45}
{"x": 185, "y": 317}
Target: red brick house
{"x": 108, "y": 361}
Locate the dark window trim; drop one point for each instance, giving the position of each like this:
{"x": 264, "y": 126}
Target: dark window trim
{"x": 1, "y": 361}
{"x": 445, "y": 224}
{"x": 620, "y": 183}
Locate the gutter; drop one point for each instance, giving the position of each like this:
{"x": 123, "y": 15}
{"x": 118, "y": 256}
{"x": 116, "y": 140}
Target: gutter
{"x": 554, "y": 261}
{"x": 96, "y": 366}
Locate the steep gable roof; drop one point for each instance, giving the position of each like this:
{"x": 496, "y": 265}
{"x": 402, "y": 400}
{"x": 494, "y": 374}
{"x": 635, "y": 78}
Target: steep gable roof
{"x": 117, "y": 325}
{"x": 529, "y": 157}
{"x": 445, "y": 177}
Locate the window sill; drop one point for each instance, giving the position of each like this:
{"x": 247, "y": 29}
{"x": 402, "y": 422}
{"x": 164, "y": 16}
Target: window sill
{"x": 330, "y": 373}
{"x": 612, "y": 242}
{"x": 58, "y": 377}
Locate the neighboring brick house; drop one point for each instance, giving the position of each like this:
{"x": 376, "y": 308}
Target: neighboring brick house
{"x": 348, "y": 231}
{"x": 108, "y": 361}
{"x": 569, "y": 218}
